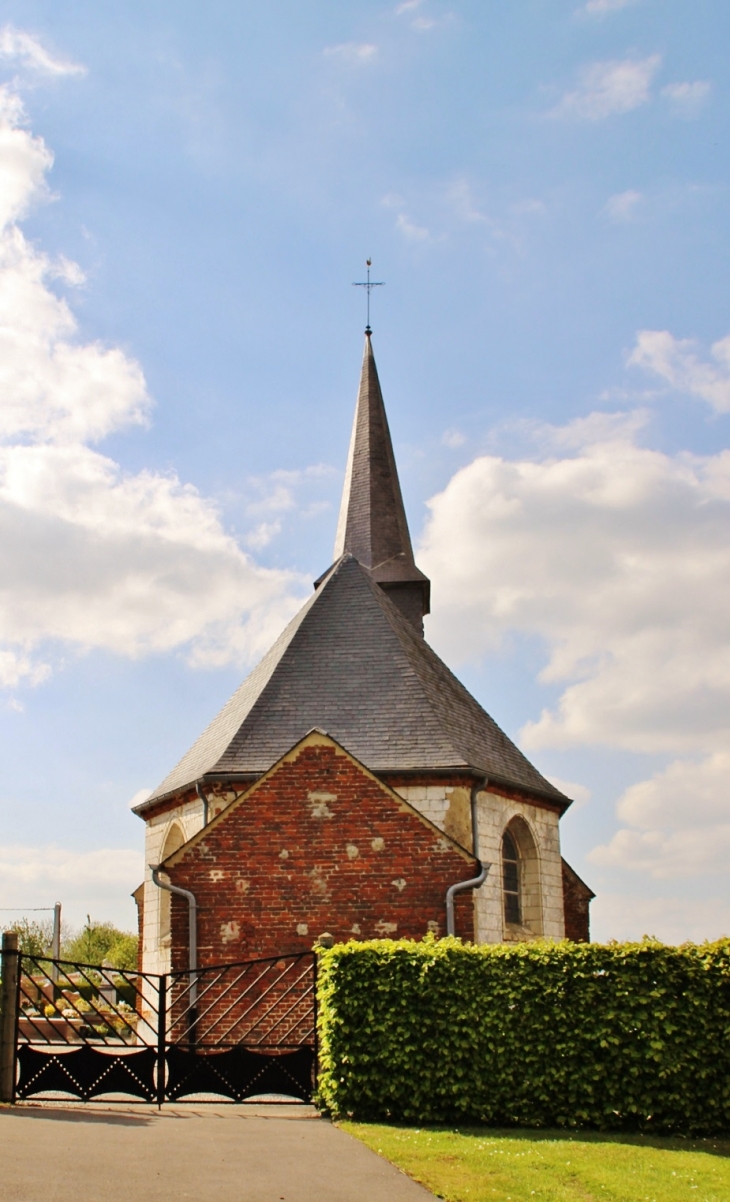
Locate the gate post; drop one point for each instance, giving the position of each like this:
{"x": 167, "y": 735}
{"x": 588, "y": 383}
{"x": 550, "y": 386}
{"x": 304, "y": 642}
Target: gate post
{"x": 9, "y": 1016}
{"x": 161, "y": 1039}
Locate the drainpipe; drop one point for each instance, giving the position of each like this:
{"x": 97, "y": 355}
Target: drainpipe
{"x": 476, "y": 881}
{"x": 192, "y": 930}
{"x": 204, "y": 800}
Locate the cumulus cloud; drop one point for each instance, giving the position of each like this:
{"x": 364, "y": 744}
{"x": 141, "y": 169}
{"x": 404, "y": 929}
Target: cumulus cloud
{"x": 605, "y": 89}
{"x": 98, "y": 881}
{"x": 677, "y": 822}
{"x": 686, "y": 99}
{"x": 622, "y": 207}
{"x": 672, "y": 919}
{"x": 676, "y": 361}
{"x": 18, "y": 46}
{"x": 281, "y": 492}
{"x": 617, "y": 557}
{"x": 572, "y": 788}
{"x": 92, "y": 556}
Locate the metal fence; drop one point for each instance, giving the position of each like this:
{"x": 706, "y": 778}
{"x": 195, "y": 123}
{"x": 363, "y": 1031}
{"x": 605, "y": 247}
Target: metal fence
{"x": 231, "y": 1031}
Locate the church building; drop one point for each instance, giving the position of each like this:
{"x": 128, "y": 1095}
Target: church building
{"x": 352, "y": 785}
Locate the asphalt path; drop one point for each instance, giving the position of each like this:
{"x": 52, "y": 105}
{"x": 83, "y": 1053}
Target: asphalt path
{"x": 210, "y": 1153}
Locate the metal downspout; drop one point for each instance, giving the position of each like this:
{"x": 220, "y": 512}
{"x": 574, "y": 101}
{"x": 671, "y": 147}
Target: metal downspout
{"x": 192, "y": 929}
{"x": 476, "y": 881}
{"x": 204, "y": 800}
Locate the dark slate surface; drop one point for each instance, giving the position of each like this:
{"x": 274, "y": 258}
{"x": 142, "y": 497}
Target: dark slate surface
{"x": 372, "y": 524}
{"x": 352, "y": 665}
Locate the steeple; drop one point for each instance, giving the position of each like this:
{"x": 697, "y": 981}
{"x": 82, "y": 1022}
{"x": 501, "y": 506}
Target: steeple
{"x": 372, "y": 524}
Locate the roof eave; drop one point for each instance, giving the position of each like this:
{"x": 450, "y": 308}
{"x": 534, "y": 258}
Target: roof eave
{"x": 559, "y": 800}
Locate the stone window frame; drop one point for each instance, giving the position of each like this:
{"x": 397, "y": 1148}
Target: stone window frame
{"x": 174, "y": 839}
{"x": 530, "y": 896}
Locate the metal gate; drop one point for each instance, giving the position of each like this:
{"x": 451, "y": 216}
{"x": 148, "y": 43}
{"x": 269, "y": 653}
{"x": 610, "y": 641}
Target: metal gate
{"x": 232, "y": 1032}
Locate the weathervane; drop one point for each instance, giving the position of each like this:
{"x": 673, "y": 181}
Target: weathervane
{"x": 368, "y": 285}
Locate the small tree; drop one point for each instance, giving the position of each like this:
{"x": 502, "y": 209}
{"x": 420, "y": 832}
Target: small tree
{"x": 34, "y": 938}
{"x": 102, "y": 943}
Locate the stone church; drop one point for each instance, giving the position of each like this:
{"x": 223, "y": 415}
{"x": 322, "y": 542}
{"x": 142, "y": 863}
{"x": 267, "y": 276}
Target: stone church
{"x": 352, "y": 785}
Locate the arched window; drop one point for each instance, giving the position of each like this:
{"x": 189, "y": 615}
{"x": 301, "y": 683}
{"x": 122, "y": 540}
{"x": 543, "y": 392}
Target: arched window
{"x": 174, "y": 840}
{"x": 511, "y": 880}
{"x": 521, "y": 889}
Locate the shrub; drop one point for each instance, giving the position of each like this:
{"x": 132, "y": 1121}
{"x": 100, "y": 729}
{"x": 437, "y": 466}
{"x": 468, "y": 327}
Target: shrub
{"x": 632, "y": 1036}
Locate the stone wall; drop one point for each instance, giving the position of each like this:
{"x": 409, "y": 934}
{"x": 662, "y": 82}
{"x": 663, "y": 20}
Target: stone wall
{"x": 448, "y": 806}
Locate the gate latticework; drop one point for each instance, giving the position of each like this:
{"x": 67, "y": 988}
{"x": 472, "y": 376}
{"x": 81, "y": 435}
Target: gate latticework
{"x": 234, "y": 1031}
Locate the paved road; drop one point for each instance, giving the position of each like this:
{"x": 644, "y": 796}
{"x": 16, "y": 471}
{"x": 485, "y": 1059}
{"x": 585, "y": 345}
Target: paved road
{"x": 207, "y": 1153}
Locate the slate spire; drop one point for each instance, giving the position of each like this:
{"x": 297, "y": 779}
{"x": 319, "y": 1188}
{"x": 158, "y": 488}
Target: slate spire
{"x": 372, "y": 524}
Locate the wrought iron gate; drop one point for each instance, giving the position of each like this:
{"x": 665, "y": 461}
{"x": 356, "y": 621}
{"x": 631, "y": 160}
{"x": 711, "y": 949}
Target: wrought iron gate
{"x": 233, "y": 1031}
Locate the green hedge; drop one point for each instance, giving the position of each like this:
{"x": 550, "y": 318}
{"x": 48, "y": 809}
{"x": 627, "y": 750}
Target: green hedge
{"x": 630, "y": 1036}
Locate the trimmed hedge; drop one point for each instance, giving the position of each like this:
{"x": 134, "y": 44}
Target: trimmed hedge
{"x": 624, "y": 1036}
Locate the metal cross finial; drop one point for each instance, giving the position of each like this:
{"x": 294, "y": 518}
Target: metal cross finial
{"x": 368, "y": 285}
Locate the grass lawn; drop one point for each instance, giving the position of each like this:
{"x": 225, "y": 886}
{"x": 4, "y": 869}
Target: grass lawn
{"x": 469, "y": 1164}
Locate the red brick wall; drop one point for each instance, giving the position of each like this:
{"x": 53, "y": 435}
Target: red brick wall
{"x": 282, "y": 866}
{"x": 576, "y": 902}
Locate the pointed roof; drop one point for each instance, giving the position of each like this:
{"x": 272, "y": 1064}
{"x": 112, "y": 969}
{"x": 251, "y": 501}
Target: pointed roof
{"x": 372, "y": 524}
{"x": 350, "y": 663}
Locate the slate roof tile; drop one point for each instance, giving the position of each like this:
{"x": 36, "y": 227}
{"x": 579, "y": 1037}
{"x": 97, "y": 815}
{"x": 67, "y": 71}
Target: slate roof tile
{"x": 352, "y": 665}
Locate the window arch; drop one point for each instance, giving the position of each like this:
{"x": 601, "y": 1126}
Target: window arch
{"x": 173, "y": 840}
{"x": 521, "y": 892}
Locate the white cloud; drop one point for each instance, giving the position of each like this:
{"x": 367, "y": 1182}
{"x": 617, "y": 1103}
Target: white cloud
{"x": 140, "y": 796}
{"x": 352, "y": 52}
{"x": 56, "y": 865}
{"x": 672, "y": 919}
{"x": 408, "y": 6}
{"x": 618, "y": 558}
{"x": 403, "y": 223}
{"x": 579, "y": 794}
{"x": 601, "y": 8}
{"x": 676, "y": 361}
{"x": 460, "y": 196}
{"x": 284, "y": 492}
{"x": 678, "y": 822}
{"x": 24, "y": 161}
{"x": 98, "y": 882}
{"x": 411, "y": 231}
{"x": 22, "y": 48}
{"x": 687, "y": 98}
{"x": 608, "y": 88}
{"x": 91, "y": 556}
{"x": 453, "y": 439}
{"x": 621, "y": 207}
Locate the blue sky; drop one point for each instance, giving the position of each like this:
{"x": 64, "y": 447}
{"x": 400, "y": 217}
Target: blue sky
{"x": 543, "y": 187}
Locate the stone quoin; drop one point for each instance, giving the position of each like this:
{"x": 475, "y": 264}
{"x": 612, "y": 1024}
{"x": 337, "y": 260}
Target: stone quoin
{"x": 337, "y": 782}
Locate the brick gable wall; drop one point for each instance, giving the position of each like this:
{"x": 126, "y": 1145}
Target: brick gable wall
{"x": 317, "y": 845}
{"x": 577, "y": 899}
